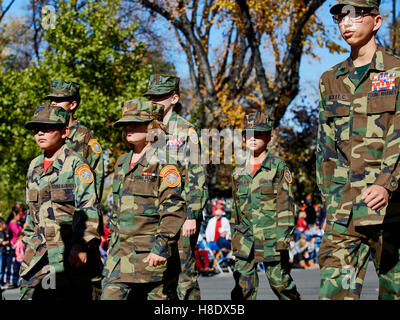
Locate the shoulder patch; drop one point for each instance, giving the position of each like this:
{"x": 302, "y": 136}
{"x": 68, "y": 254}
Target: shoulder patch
{"x": 288, "y": 176}
{"x": 95, "y": 146}
{"x": 84, "y": 173}
{"x": 172, "y": 178}
{"x": 193, "y": 136}
{"x": 168, "y": 168}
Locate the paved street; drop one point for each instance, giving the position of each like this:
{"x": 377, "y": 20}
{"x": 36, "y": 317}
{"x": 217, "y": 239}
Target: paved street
{"x": 218, "y": 287}
{"x": 307, "y": 281}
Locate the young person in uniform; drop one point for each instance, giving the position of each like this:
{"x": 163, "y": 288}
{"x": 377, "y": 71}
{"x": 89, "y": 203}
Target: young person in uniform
{"x": 63, "y": 215}
{"x": 148, "y": 212}
{"x": 183, "y": 140}
{"x": 358, "y": 166}
{"x": 262, "y": 219}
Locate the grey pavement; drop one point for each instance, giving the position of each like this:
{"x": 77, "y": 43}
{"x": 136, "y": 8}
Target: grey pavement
{"x": 218, "y": 287}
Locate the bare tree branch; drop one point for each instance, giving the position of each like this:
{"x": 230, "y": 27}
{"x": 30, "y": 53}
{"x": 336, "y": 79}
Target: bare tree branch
{"x": 3, "y": 13}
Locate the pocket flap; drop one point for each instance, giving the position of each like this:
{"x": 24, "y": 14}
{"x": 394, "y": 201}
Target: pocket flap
{"x": 337, "y": 110}
{"x": 147, "y": 189}
{"x": 62, "y": 195}
{"x": 382, "y": 103}
{"x": 268, "y": 190}
{"x": 33, "y": 195}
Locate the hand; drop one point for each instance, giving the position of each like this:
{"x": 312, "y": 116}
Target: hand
{"x": 77, "y": 258}
{"x": 189, "y": 227}
{"x": 376, "y": 197}
{"x": 154, "y": 260}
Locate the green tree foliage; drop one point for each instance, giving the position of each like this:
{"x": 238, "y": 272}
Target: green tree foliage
{"x": 91, "y": 44}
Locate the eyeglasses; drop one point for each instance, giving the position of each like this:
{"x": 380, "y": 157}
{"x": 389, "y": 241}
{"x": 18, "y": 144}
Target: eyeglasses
{"x": 355, "y": 16}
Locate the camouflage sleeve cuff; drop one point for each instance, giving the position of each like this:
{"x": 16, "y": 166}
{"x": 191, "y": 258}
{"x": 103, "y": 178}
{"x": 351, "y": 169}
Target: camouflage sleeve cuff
{"x": 160, "y": 247}
{"x": 387, "y": 181}
{"x": 283, "y": 238}
{"x": 282, "y": 245}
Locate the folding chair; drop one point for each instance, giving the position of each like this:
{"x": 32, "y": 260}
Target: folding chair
{"x": 216, "y": 256}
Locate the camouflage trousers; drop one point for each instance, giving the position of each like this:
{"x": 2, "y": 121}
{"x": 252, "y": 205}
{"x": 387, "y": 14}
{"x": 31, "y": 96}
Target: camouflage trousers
{"x": 43, "y": 284}
{"x": 115, "y": 290}
{"x": 188, "y": 286}
{"x": 278, "y": 275}
{"x": 344, "y": 255}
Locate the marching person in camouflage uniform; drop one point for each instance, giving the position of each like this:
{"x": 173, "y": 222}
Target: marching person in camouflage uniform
{"x": 147, "y": 215}
{"x": 183, "y": 140}
{"x": 66, "y": 95}
{"x": 358, "y": 159}
{"x": 262, "y": 220}
{"x": 63, "y": 216}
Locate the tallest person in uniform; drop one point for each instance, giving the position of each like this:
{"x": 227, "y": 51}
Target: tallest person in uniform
{"x": 358, "y": 166}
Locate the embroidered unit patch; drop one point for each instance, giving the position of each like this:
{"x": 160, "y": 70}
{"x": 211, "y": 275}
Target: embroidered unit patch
{"x": 95, "y": 146}
{"x": 193, "y": 136}
{"x": 167, "y": 168}
{"x": 172, "y": 178}
{"x": 288, "y": 176}
{"x": 84, "y": 173}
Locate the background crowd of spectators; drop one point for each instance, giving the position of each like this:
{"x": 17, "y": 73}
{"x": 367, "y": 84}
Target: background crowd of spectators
{"x": 12, "y": 248}
{"x": 307, "y": 236}
{"x": 214, "y": 240}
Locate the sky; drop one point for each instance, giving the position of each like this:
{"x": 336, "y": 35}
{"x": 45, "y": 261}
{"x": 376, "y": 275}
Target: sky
{"x": 310, "y": 69}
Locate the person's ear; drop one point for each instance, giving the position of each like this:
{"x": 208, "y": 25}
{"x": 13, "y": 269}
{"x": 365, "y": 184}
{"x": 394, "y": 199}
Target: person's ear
{"x": 378, "y": 22}
{"x": 64, "y": 132}
{"x": 175, "y": 98}
{"x": 73, "y": 105}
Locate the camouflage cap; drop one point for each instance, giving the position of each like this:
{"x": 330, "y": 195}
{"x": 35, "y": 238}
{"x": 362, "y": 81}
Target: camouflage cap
{"x": 258, "y": 121}
{"x": 139, "y": 110}
{"x": 160, "y": 85}
{"x": 373, "y": 4}
{"x": 46, "y": 114}
{"x": 63, "y": 89}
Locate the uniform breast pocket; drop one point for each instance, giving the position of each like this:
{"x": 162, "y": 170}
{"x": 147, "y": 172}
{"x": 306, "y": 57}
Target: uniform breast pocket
{"x": 145, "y": 195}
{"x": 338, "y": 116}
{"x": 380, "y": 110}
{"x": 268, "y": 198}
{"x": 64, "y": 201}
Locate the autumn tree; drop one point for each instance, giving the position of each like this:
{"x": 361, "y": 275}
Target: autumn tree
{"x": 238, "y": 75}
{"x": 256, "y": 59}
